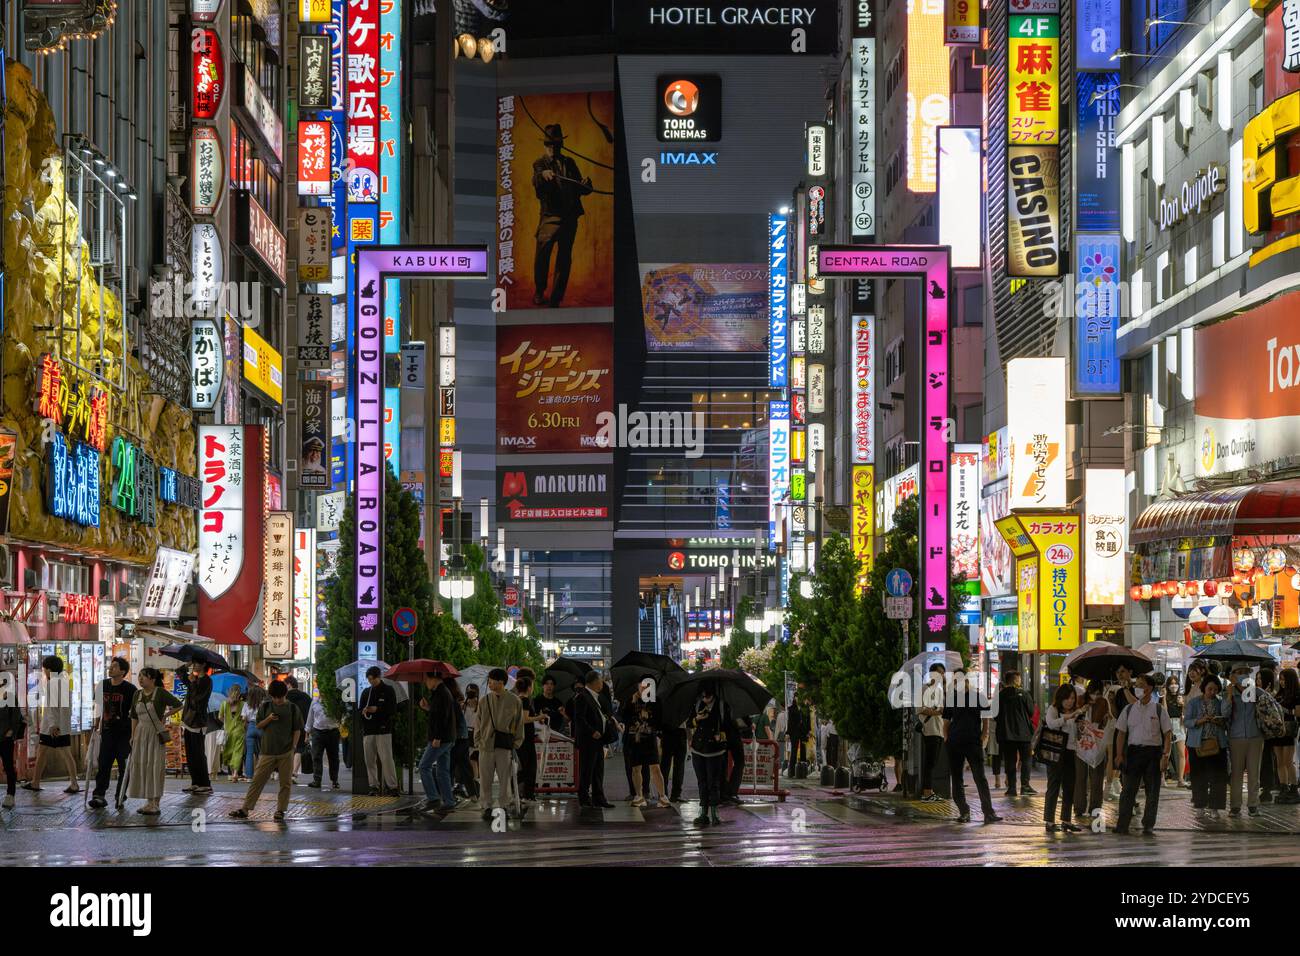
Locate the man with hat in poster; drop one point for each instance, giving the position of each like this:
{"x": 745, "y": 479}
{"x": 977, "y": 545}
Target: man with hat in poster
{"x": 560, "y": 187}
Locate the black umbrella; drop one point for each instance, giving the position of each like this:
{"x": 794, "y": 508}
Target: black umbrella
{"x": 564, "y": 682}
{"x": 743, "y": 695}
{"x": 566, "y": 670}
{"x": 629, "y": 670}
{"x": 1235, "y": 650}
{"x": 193, "y": 653}
{"x": 1101, "y": 659}
{"x": 248, "y": 675}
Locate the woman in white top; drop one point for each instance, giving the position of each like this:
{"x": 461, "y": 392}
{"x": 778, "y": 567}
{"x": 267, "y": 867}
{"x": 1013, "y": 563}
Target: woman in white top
{"x": 1061, "y": 715}
{"x": 55, "y": 724}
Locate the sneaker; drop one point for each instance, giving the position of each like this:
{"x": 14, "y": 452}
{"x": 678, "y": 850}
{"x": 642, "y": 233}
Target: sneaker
{"x": 1071, "y": 828}
{"x": 992, "y": 818}
{"x": 240, "y": 814}
{"x": 374, "y": 791}
{"x": 1028, "y": 791}
{"x": 335, "y": 785}
{"x": 1148, "y": 831}
{"x": 279, "y": 815}
{"x": 1234, "y": 812}
{"x": 201, "y": 791}
{"x": 1253, "y": 811}
{"x": 1266, "y": 797}
{"x": 97, "y": 803}
{"x": 639, "y": 802}
{"x": 964, "y": 818}
{"x": 190, "y": 789}
{"x": 664, "y": 803}
{"x": 1215, "y": 815}
{"x": 315, "y": 785}
{"x": 8, "y": 802}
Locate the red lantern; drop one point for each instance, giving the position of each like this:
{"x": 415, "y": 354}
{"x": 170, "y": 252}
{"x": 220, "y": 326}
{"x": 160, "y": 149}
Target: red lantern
{"x": 1148, "y": 591}
{"x": 1211, "y": 588}
{"x": 1135, "y": 592}
{"x": 1194, "y": 588}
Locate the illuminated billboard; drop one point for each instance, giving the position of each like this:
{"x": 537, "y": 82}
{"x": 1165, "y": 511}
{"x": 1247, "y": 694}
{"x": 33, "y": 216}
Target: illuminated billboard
{"x": 1033, "y": 80}
{"x": 1033, "y": 211}
{"x": 1105, "y": 536}
{"x": 961, "y": 194}
{"x": 710, "y": 307}
{"x": 927, "y": 92}
{"x": 1036, "y": 432}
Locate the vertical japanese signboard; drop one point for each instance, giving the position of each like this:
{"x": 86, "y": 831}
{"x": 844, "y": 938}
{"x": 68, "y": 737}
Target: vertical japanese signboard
{"x": 362, "y": 45}
{"x": 304, "y": 593}
{"x": 864, "y": 519}
{"x": 312, "y": 466}
{"x": 862, "y": 410}
{"x": 207, "y": 364}
{"x": 1036, "y": 432}
{"x": 778, "y": 463}
{"x": 862, "y": 125}
{"x": 777, "y": 306}
{"x": 1034, "y": 80}
{"x": 277, "y": 595}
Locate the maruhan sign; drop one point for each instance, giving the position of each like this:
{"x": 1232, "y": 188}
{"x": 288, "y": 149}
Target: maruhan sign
{"x": 1194, "y": 195}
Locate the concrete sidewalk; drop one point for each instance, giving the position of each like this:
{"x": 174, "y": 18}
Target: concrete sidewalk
{"x": 51, "y": 808}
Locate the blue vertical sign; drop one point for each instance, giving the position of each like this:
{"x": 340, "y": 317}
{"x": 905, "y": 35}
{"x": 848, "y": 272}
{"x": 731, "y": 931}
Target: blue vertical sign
{"x": 724, "y": 504}
{"x": 1097, "y": 305}
{"x": 1097, "y": 30}
{"x": 1097, "y": 170}
{"x": 778, "y": 464}
{"x": 777, "y": 312}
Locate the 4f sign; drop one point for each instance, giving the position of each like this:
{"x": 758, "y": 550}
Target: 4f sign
{"x": 817, "y": 151}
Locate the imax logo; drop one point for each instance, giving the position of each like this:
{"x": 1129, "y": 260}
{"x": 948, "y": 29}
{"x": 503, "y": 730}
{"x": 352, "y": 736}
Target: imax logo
{"x": 688, "y": 159}
{"x": 519, "y": 441}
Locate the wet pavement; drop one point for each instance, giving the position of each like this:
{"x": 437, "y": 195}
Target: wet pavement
{"x": 814, "y": 826}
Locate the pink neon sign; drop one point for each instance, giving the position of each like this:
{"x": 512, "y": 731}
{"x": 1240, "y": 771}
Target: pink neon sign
{"x": 374, "y": 264}
{"x": 930, "y": 264}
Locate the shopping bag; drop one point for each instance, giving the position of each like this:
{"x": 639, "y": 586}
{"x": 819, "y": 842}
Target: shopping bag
{"x": 1091, "y": 743}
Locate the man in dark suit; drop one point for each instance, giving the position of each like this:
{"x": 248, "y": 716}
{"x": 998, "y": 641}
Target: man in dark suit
{"x": 589, "y": 719}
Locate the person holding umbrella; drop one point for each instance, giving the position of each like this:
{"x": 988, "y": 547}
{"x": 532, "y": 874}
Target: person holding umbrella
{"x": 435, "y": 762}
{"x": 708, "y": 734}
{"x": 194, "y": 718}
{"x": 378, "y": 704}
{"x": 643, "y": 742}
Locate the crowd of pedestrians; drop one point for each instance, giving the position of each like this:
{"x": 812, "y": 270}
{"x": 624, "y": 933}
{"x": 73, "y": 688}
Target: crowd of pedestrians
{"x": 1227, "y": 732}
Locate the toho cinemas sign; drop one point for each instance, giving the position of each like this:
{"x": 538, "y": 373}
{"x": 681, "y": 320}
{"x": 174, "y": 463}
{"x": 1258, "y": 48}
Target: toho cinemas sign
{"x": 706, "y": 561}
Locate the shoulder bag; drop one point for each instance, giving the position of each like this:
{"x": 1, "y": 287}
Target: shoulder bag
{"x": 501, "y": 739}
{"x": 1051, "y": 744}
{"x": 164, "y": 737}
{"x": 1209, "y": 745}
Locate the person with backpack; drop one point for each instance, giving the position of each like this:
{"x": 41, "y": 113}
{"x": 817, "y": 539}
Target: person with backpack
{"x": 1245, "y": 738}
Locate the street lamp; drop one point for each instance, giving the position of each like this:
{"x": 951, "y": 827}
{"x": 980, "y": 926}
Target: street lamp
{"x": 458, "y": 583}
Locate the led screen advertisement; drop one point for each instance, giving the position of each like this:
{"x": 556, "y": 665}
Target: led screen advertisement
{"x": 555, "y": 203}
{"x": 1096, "y": 361}
{"x": 1097, "y": 171}
{"x": 553, "y": 383}
{"x": 704, "y": 307}
{"x": 928, "y": 92}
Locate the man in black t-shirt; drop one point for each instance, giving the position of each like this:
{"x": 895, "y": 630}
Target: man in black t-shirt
{"x": 967, "y": 731}
{"x": 116, "y": 695}
{"x": 550, "y": 705}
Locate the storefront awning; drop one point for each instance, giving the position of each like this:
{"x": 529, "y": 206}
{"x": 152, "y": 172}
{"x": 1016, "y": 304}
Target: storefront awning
{"x": 1270, "y": 508}
{"x": 170, "y": 635}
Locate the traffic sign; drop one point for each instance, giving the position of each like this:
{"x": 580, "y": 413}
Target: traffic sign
{"x": 404, "y": 621}
{"x": 511, "y": 595}
{"x": 898, "y": 583}
{"x": 898, "y": 608}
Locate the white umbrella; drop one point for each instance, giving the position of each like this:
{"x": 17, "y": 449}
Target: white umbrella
{"x": 477, "y": 674}
{"x": 1166, "y": 653}
{"x": 350, "y": 671}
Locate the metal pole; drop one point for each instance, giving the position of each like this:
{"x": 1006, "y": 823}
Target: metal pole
{"x": 410, "y": 769}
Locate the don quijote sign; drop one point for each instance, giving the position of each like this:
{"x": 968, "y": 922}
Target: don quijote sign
{"x": 1193, "y": 195}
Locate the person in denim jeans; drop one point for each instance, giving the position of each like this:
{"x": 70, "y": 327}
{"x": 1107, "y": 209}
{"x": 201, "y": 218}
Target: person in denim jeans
{"x": 435, "y": 762}
{"x": 252, "y": 736}
{"x": 1245, "y": 742}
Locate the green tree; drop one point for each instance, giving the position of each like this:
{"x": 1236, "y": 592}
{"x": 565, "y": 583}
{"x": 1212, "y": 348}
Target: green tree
{"x": 862, "y": 665}
{"x": 484, "y": 611}
{"x": 820, "y": 625}
{"x": 740, "y": 638}
{"x": 406, "y": 584}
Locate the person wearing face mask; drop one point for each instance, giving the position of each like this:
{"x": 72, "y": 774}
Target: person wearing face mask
{"x": 1174, "y": 704}
{"x": 1142, "y": 740}
{"x": 1090, "y": 772}
{"x": 1245, "y": 742}
{"x": 1207, "y": 738}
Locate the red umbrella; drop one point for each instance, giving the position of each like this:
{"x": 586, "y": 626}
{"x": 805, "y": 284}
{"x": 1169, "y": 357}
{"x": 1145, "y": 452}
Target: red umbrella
{"x": 414, "y": 671}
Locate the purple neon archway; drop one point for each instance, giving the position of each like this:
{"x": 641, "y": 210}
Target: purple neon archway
{"x": 375, "y": 264}
{"x": 932, "y": 265}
